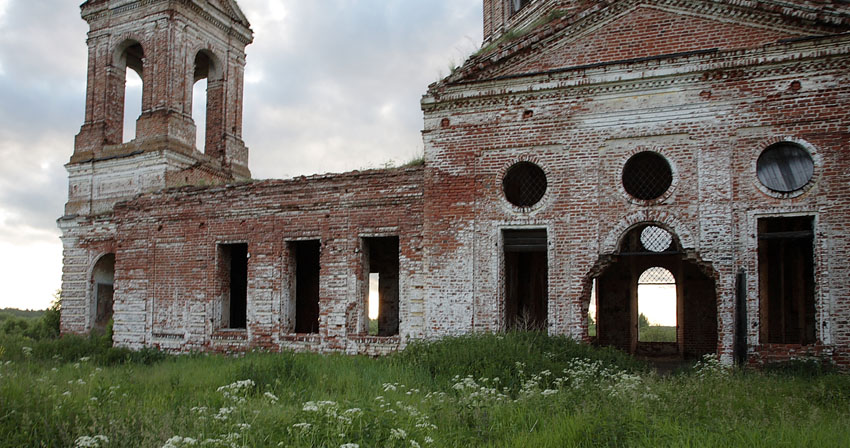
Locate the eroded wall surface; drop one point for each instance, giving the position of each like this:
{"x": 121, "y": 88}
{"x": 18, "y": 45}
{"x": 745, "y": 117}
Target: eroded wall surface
{"x": 169, "y": 286}
{"x": 709, "y": 114}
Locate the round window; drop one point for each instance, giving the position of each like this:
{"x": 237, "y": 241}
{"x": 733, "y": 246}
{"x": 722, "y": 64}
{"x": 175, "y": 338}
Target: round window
{"x": 785, "y": 167}
{"x": 647, "y": 175}
{"x": 655, "y": 239}
{"x": 524, "y": 184}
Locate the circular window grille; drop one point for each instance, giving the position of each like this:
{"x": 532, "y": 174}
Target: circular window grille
{"x": 655, "y": 239}
{"x": 785, "y": 167}
{"x": 524, "y": 184}
{"x": 647, "y": 175}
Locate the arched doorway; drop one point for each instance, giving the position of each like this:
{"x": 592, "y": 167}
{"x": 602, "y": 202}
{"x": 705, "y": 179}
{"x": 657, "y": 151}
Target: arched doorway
{"x": 651, "y": 271}
{"x": 102, "y": 281}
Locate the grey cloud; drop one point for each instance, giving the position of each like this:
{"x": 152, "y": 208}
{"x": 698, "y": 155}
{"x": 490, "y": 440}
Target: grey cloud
{"x": 372, "y": 54}
{"x": 329, "y": 69}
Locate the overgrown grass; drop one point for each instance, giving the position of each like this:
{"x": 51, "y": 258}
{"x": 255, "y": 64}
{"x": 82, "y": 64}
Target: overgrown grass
{"x": 657, "y": 333}
{"x": 517, "y": 389}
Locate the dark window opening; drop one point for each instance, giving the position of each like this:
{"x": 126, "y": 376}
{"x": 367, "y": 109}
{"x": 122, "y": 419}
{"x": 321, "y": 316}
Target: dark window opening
{"x": 233, "y": 272}
{"x": 103, "y": 278}
{"x": 526, "y": 279}
{"x": 516, "y": 5}
{"x": 647, "y": 175}
{"x": 786, "y": 280}
{"x": 785, "y": 167}
{"x": 306, "y": 255}
{"x": 524, "y": 184}
{"x": 382, "y": 258}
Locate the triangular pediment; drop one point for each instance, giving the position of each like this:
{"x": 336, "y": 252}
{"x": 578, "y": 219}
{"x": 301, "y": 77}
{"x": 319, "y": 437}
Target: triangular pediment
{"x": 230, "y": 8}
{"x": 638, "y": 29}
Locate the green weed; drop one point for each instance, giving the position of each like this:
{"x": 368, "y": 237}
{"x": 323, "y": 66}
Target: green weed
{"x": 517, "y": 389}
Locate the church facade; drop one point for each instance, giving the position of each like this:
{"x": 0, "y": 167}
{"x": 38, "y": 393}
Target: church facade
{"x": 587, "y": 150}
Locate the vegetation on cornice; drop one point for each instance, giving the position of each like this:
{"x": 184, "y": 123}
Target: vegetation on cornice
{"x": 518, "y": 32}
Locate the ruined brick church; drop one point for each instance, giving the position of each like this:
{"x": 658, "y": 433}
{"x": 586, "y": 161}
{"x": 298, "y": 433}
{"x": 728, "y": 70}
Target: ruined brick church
{"x": 590, "y": 147}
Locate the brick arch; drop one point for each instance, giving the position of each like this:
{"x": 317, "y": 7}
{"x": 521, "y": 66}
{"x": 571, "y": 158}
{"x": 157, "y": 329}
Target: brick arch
{"x": 120, "y": 52}
{"x": 697, "y": 301}
{"x": 668, "y": 221}
{"x": 216, "y": 66}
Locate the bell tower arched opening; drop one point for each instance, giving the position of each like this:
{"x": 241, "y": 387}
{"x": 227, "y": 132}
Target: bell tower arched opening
{"x": 128, "y": 79}
{"x": 206, "y": 84}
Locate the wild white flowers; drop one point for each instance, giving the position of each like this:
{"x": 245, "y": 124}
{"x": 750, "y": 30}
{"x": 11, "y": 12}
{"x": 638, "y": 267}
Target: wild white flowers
{"x": 398, "y": 434}
{"x": 224, "y": 413}
{"x": 320, "y": 406}
{"x": 91, "y": 441}
{"x": 474, "y": 392}
{"x": 179, "y": 442}
{"x": 27, "y": 351}
{"x": 303, "y": 426}
{"x": 709, "y": 366}
{"x": 236, "y": 392}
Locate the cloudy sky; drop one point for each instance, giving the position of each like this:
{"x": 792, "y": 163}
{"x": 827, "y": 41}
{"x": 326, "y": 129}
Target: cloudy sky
{"x": 331, "y": 86}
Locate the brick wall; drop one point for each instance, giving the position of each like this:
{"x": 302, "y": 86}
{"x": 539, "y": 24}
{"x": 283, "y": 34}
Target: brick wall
{"x": 709, "y": 114}
{"x": 166, "y": 260}
{"x": 707, "y": 85}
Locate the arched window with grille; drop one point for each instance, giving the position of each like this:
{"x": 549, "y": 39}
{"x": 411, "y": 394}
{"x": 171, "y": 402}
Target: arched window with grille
{"x": 657, "y": 306}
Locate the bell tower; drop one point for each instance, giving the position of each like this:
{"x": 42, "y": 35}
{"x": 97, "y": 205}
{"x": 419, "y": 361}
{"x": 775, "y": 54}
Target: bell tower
{"x": 171, "y": 45}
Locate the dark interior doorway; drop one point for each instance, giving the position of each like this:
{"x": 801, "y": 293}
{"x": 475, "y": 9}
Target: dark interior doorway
{"x": 103, "y": 279}
{"x": 233, "y": 272}
{"x": 786, "y": 280}
{"x": 382, "y": 258}
{"x": 526, "y": 279}
{"x": 306, "y": 255}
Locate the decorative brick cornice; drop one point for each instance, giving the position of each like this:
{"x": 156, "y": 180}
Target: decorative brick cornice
{"x": 237, "y": 25}
{"x": 829, "y": 53}
{"x": 788, "y": 17}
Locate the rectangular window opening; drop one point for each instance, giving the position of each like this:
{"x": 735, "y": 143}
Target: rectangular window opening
{"x": 233, "y": 275}
{"x": 381, "y": 263}
{"x": 786, "y": 280}
{"x": 517, "y": 5}
{"x": 526, "y": 279}
{"x": 305, "y": 257}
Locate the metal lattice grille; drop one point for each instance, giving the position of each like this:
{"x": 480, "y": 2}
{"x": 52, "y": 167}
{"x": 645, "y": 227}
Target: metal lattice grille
{"x": 647, "y": 175}
{"x": 524, "y": 184}
{"x": 655, "y": 239}
{"x": 657, "y": 276}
